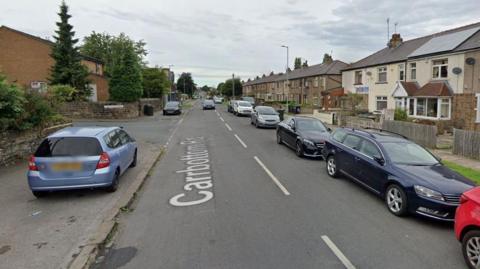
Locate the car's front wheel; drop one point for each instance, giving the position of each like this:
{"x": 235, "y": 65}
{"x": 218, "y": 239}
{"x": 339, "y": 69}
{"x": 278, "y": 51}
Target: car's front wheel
{"x": 471, "y": 248}
{"x": 299, "y": 149}
{"x": 134, "y": 162}
{"x": 332, "y": 169}
{"x": 396, "y": 200}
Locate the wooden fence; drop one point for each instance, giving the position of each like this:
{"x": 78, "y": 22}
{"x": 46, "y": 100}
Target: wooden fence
{"x": 425, "y": 135}
{"x": 466, "y": 143}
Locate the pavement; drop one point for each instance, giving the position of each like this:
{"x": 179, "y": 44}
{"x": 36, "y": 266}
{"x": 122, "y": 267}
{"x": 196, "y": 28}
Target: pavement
{"x": 51, "y": 232}
{"x": 225, "y": 195}
{"x": 463, "y": 161}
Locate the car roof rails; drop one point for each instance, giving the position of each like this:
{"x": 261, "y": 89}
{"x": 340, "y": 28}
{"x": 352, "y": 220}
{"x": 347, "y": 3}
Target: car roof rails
{"x": 359, "y": 130}
{"x": 386, "y": 131}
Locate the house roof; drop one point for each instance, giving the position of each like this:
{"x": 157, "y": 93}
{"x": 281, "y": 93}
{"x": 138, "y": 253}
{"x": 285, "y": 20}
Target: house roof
{"x": 410, "y": 87}
{"x": 48, "y": 42}
{"x": 401, "y": 53}
{"x": 435, "y": 88}
{"x": 333, "y": 68}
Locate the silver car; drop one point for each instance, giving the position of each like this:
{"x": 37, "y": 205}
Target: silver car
{"x": 264, "y": 116}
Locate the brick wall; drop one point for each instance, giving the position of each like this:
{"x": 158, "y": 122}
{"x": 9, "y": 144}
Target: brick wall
{"x": 464, "y": 113}
{"x": 20, "y": 145}
{"x": 108, "y": 110}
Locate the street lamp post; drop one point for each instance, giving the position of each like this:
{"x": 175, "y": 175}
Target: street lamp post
{"x": 286, "y": 73}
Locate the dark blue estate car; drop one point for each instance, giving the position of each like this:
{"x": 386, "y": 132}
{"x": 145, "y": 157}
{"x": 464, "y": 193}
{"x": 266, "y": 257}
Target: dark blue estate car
{"x": 406, "y": 175}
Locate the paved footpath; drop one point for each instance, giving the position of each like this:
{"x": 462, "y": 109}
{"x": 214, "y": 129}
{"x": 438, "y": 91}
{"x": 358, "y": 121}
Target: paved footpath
{"x": 225, "y": 195}
{"x": 50, "y": 232}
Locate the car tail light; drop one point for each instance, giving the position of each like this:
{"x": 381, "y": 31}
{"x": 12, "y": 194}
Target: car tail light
{"x": 104, "y": 161}
{"x": 31, "y": 164}
{"x": 463, "y": 199}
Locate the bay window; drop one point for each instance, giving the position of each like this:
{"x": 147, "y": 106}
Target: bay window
{"x": 421, "y": 104}
{"x": 430, "y": 108}
{"x": 440, "y": 69}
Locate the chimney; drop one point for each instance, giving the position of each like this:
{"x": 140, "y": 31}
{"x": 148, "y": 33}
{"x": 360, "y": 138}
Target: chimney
{"x": 271, "y": 73}
{"x": 396, "y": 41}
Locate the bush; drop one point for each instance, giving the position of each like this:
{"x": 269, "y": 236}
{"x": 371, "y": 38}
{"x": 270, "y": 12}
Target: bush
{"x": 400, "y": 115}
{"x": 12, "y": 102}
{"x": 62, "y": 93}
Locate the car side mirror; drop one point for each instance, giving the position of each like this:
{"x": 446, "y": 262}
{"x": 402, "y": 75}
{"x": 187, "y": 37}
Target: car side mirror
{"x": 379, "y": 160}
{"x": 329, "y": 129}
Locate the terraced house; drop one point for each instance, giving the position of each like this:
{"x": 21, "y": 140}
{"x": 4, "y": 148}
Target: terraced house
{"x": 313, "y": 85}
{"x": 435, "y": 78}
{"x": 25, "y": 60}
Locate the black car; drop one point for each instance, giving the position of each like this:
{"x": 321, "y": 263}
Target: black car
{"x": 406, "y": 175}
{"x": 306, "y": 135}
{"x": 172, "y": 108}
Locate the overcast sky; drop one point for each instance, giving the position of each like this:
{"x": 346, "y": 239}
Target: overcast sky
{"x": 214, "y": 38}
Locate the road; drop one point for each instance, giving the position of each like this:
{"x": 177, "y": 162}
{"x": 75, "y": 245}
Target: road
{"x": 247, "y": 202}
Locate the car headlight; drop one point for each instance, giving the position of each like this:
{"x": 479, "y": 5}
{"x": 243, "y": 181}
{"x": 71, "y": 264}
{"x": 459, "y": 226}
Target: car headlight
{"x": 308, "y": 143}
{"x": 426, "y": 192}
{"x": 260, "y": 118}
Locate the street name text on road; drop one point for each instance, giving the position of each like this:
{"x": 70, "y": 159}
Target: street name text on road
{"x": 198, "y": 177}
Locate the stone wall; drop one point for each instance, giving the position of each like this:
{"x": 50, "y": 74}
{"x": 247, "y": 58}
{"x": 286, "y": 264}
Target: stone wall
{"x": 19, "y": 145}
{"x": 108, "y": 110}
{"x": 464, "y": 112}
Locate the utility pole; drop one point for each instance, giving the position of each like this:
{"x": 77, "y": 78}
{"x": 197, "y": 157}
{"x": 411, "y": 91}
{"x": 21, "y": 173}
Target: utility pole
{"x": 286, "y": 73}
{"x": 233, "y": 86}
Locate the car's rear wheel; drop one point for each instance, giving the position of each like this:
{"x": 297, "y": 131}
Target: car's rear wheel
{"x": 279, "y": 138}
{"x": 299, "y": 149}
{"x": 396, "y": 200}
{"x": 471, "y": 248}
{"x": 331, "y": 165}
{"x": 115, "y": 182}
{"x": 134, "y": 162}
{"x": 39, "y": 194}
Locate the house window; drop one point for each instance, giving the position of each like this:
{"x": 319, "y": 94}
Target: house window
{"x": 382, "y": 74}
{"x": 381, "y": 102}
{"x": 358, "y": 77}
{"x": 432, "y": 107}
{"x": 445, "y": 108}
{"x": 421, "y": 105}
{"x": 411, "y": 107}
{"x": 440, "y": 69}
{"x": 413, "y": 71}
{"x": 315, "y": 82}
{"x": 401, "y": 72}
{"x": 400, "y": 102}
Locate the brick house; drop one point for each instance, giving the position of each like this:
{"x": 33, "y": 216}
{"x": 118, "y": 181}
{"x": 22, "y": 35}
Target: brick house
{"x": 434, "y": 78}
{"x": 307, "y": 85}
{"x": 25, "y": 60}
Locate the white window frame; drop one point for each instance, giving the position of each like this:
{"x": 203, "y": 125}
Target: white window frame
{"x": 381, "y": 98}
{"x": 315, "y": 82}
{"x": 413, "y": 68}
{"x": 439, "y": 66}
{"x": 355, "y": 77}
{"x": 440, "y": 100}
{"x": 401, "y": 72}
{"x": 381, "y": 70}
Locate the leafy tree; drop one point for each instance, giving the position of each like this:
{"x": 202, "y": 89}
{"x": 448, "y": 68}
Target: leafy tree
{"x": 297, "y": 63}
{"x": 305, "y": 64}
{"x": 12, "y": 102}
{"x": 126, "y": 81}
{"x": 327, "y": 58}
{"x": 205, "y": 88}
{"x": 68, "y": 69}
{"x": 185, "y": 84}
{"x": 227, "y": 87}
{"x": 155, "y": 82}
{"x": 110, "y": 49}
{"x": 220, "y": 87}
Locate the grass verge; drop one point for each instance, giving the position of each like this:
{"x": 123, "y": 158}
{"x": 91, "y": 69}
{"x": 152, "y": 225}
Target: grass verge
{"x": 472, "y": 174}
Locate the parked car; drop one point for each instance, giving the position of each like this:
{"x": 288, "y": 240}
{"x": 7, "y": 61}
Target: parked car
{"x": 242, "y": 108}
{"x": 208, "y": 104}
{"x": 217, "y": 100}
{"x": 230, "y": 105}
{"x": 81, "y": 157}
{"x": 303, "y": 134}
{"x": 406, "y": 175}
{"x": 264, "y": 116}
{"x": 249, "y": 99}
{"x": 467, "y": 226}
{"x": 172, "y": 108}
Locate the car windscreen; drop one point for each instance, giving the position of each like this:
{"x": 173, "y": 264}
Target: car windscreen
{"x": 310, "y": 125}
{"x": 408, "y": 154}
{"x": 69, "y": 146}
{"x": 242, "y": 103}
{"x": 208, "y": 102}
{"x": 266, "y": 111}
{"x": 249, "y": 99}
{"x": 171, "y": 105}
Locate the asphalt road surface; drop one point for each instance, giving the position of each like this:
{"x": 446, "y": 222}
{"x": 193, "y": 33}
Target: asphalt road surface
{"x": 225, "y": 195}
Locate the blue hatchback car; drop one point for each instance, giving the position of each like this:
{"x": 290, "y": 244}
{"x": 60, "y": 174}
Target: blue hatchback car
{"x": 81, "y": 157}
{"x": 405, "y": 174}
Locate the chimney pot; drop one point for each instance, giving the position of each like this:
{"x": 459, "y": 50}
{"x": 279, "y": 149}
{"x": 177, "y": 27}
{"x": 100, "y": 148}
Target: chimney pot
{"x": 395, "y": 41}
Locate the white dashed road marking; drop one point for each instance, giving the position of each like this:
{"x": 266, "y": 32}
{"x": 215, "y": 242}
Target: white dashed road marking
{"x": 240, "y": 140}
{"x": 338, "y": 253}
{"x": 222, "y": 119}
{"x": 273, "y": 177}
{"x": 228, "y": 127}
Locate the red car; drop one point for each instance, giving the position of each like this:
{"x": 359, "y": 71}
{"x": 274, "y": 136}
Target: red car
{"x": 467, "y": 226}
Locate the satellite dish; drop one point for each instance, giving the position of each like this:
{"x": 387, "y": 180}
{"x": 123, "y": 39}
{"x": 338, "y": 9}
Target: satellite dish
{"x": 457, "y": 70}
{"x": 470, "y": 61}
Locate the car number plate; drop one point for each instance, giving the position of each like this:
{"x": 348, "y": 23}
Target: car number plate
{"x": 66, "y": 166}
